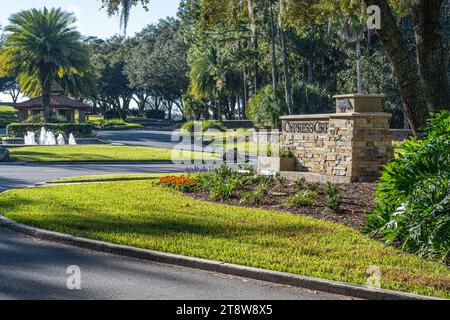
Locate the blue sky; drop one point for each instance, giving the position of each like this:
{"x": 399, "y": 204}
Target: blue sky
{"x": 94, "y": 21}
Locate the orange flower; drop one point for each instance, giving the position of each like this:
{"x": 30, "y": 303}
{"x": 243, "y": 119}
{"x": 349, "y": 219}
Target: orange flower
{"x": 177, "y": 181}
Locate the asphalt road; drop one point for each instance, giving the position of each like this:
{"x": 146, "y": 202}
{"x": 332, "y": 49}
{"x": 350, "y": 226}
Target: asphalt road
{"x": 154, "y": 134}
{"x": 22, "y": 175}
{"x": 33, "y": 269}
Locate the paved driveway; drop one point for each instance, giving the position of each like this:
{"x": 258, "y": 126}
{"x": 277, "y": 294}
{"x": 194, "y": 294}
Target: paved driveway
{"x": 154, "y": 134}
{"x": 33, "y": 269}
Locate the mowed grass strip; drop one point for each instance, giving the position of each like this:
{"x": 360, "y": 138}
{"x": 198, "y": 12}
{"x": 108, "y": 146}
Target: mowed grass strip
{"x": 101, "y": 153}
{"x": 112, "y": 177}
{"x": 141, "y": 214}
{"x": 7, "y": 116}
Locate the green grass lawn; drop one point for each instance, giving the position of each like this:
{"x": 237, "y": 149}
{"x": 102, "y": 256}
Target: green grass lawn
{"x": 143, "y": 215}
{"x": 100, "y": 153}
{"x": 7, "y": 116}
{"x": 112, "y": 124}
{"x": 111, "y": 177}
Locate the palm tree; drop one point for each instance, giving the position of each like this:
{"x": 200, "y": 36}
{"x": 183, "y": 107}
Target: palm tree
{"x": 355, "y": 34}
{"x": 42, "y": 46}
{"x": 124, "y": 7}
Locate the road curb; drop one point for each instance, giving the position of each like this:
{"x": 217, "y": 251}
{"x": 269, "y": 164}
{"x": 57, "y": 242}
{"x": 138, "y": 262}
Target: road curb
{"x": 214, "y": 266}
{"x": 77, "y": 163}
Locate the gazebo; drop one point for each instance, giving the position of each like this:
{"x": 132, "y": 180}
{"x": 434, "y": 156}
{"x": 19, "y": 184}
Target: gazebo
{"x": 60, "y": 105}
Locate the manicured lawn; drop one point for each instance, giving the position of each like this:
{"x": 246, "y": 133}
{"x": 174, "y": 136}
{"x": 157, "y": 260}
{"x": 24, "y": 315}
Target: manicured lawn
{"x": 7, "y": 116}
{"x": 140, "y": 214}
{"x": 99, "y": 153}
{"x": 111, "y": 177}
{"x": 112, "y": 124}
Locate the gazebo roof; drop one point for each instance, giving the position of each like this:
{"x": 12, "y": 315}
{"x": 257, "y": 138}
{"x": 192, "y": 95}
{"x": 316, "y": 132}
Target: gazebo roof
{"x": 57, "y": 101}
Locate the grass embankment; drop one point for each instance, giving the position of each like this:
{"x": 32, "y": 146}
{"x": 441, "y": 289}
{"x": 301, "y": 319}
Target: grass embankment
{"x": 143, "y": 215}
{"x": 113, "y": 124}
{"x": 111, "y": 177}
{"x": 101, "y": 153}
{"x": 7, "y": 116}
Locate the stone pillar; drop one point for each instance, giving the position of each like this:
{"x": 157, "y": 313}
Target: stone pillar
{"x": 351, "y": 145}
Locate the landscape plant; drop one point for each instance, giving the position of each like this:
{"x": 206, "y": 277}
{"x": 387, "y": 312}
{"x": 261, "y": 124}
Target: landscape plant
{"x": 414, "y": 194}
{"x": 302, "y": 198}
{"x": 334, "y": 197}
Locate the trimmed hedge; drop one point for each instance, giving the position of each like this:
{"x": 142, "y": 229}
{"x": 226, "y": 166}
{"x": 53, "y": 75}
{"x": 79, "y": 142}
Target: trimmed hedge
{"x": 79, "y": 130}
{"x": 204, "y": 125}
{"x": 155, "y": 114}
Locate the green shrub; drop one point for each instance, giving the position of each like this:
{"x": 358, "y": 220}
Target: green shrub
{"x": 414, "y": 194}
{"x": 155, "y": 114}
{"x": 204, "y": 126}
{"x": 264, "y": 109}
{"x": 302, "y": 198}
{"x": 112, "y": 114}
{"x": 334, "y": 197}
{"x": 311, "y": 98}
{"x": 19, "y": 130}
{"x": 286, "y": 153}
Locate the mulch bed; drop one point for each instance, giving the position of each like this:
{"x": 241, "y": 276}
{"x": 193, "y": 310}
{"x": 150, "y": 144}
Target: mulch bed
{"x": 358, "y": 202}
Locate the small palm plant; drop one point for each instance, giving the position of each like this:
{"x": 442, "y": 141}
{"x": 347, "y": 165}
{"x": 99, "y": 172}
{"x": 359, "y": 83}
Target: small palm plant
{"x": 42, "y": 46}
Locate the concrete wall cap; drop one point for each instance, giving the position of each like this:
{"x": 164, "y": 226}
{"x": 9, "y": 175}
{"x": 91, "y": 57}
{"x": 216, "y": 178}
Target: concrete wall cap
{"x": 359, "y": 95}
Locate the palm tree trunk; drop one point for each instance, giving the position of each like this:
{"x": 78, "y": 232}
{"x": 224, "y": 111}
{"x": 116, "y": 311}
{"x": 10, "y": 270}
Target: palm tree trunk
{"x": 46, "y": 99}
{"x": 274, "y": 66}
{"x": 287, "y": 78}
{"x": 432, "y": 53}
{"x": 358, "y": 67}
{"x": 255, "y": 42}
{"x": 310, "y": 70}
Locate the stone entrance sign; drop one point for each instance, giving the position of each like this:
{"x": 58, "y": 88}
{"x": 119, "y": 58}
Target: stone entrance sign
{"x": 351, "y": 145}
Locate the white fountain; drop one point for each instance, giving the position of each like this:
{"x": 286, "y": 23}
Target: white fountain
{"x": 61, "y": 140}
{"x": 43, "y": 137}
{"x": 51, "y": 140}
{"x": 47, "y": 138}
{"x": 30, "y": 139}
{"x": 72, "y": 140}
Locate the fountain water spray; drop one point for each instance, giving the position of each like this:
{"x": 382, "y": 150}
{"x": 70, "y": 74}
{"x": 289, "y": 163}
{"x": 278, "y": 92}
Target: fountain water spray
{"x": 61, "y": 140}
{"x": 72, "y": 140}
{"x": 43, "y": 137}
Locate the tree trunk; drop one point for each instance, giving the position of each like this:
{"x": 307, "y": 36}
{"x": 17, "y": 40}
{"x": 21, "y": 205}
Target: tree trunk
{"x": 255, "y": 42}
{"x": 245, "y": 97}
{"x": 310, "y": 70}
{"x": 432, "y": 53}
{"x": 46, "y": 100}
{"x": 274, "y": 66}
{"x": 406, "y": 71}
{"x": 358, "y": 67}
{"x": 287, "y": 78}
{"x": 206, "y": 115}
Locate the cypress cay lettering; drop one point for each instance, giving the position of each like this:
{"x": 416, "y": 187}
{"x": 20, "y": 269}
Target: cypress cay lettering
{"x": 305, "y": 127}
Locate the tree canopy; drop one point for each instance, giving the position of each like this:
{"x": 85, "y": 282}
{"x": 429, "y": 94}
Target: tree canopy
{"x": 42, "y": 46}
